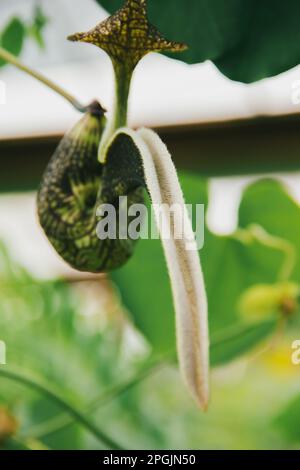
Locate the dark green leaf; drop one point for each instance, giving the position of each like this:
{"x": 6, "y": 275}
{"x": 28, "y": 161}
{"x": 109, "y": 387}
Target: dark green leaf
{"x": 269, "y": 44}
{"x": 247, "y": 39}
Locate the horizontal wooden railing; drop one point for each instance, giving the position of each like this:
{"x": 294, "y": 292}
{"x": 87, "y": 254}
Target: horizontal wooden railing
{"x": 260, "y": 145}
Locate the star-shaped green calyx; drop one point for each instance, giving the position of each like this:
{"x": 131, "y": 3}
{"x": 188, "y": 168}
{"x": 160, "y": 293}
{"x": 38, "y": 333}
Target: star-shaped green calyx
{"x": 127, "y": 36}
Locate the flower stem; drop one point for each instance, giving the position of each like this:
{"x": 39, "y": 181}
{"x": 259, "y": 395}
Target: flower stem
{"x": 122, "y": 87}
{"x": 70, "y": 409}
{"x": 277, "y": 243}
{"x": 10, "y": 58}
{"x": 123, "y": 76}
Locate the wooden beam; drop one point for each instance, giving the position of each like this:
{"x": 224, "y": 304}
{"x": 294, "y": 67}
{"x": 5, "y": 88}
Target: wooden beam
{"x": 267, "y": 144}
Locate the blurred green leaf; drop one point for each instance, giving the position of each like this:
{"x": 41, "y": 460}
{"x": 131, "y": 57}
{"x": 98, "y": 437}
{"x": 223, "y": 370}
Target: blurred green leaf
{"x": 46, "y": 334}
{"x": 36, "y": 29}
{"x": 288, "y": 421}
{"x": 247, "y": 39}
{"x": 239, "y": 340}
{"x": 145, "y": 292}
{"x": 50, "y": 336}
{"x": 62, "y": 403}
{"x": 66, "y": 438}
{"x": 231, "y": 265}
{"x": 12, "y": 38}
{"x": 268, "y": 203}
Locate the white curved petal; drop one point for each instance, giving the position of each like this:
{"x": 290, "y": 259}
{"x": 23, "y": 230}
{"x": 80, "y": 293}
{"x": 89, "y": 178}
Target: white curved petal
{"x": 183, "y": 265}
{"x": 185, "y": 273}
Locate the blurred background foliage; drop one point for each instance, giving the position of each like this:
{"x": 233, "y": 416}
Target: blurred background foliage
{"x": 17, "y": 31}
{"x": 59, "y": 339}
{"x": 81, "y": 373}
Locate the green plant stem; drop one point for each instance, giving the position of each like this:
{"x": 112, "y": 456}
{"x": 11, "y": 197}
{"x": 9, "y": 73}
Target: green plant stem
{"x": 10, "y": 58}
{"x": 258, "y": 233}
{"x": 123, "y": 76}
{"x": 122, "y": 88}
{"x": 69, "y": 409}
{"x": 62, "y": 421}
{"x": 280, "y": 244}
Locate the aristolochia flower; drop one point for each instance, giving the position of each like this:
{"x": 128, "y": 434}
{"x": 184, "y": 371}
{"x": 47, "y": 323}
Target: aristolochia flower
{"x": 76, "y": 182}
{"x": 183, "y": 264}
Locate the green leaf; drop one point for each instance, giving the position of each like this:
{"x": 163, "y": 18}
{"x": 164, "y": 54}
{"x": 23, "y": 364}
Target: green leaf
{"x": 269, "y": 43}
{"x": 208, "y": 28}
{"x": 248, "y": 40}
{"x": 12, "y": 38}
{"x": 37, "y": 27}
{"x": 231, "y": 265}
{"x": 268, "y": 203}
{"x": 145, "y": 291}
{"x": 233, "y": 343}
{"x": 288, "y": 421}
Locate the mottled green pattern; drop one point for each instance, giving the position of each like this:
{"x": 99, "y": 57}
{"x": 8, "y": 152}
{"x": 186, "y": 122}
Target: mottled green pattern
{"x": 75, "y": 184}
{"x": 127, "y": 36}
